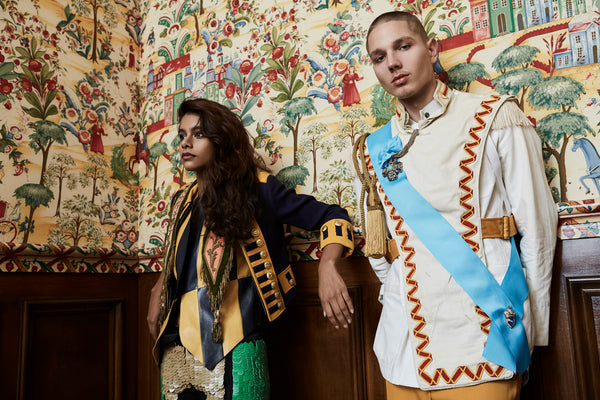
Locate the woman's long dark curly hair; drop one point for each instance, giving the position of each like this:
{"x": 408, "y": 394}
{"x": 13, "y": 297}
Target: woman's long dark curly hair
{"x": 231, "y": 193}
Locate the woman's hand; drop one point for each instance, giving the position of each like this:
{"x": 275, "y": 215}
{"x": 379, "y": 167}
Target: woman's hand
{"x": 335, "y": 300}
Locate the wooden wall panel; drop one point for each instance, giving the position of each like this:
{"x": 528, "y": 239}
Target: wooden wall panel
{"x": 568, "y": 368}
{"x": 309, "y": 358}
{"x": 71, "y": 349}
{"x": 68, "y": 336}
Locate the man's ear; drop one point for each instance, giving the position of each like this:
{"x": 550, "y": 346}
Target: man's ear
{"x": 432, "y": 45}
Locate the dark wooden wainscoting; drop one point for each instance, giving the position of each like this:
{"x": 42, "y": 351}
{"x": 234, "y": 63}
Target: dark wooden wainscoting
{"x": 569, "y": 369}
{"x": 84, "y": 336}
{"x": 75, "y": 336}
{"x": 310, "y": 359}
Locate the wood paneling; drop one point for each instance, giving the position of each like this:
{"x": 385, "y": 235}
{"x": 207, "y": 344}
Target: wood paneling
{"x": 309, "y": 358}
{"x": 569, "y": 368}
{"x": 72, "y": 336}
{"x": 69, "y": 336}
{"x": 71, "y": 349}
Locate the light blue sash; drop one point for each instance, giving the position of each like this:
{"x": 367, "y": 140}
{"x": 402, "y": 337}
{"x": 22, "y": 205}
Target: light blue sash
{"x": 506, "y": 346}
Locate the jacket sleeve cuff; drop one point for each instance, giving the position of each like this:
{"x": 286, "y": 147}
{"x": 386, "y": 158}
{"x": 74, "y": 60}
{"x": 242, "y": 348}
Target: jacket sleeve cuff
{"x": 338, "y": 231}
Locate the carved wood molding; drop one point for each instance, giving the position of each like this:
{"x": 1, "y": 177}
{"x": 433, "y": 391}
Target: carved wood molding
{"x": 583, "y": 298}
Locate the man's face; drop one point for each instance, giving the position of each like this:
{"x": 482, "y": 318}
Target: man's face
{"x": 403, "y": 62}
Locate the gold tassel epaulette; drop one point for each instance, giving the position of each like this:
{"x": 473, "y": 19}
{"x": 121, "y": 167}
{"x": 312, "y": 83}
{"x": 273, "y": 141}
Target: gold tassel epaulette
{"x": 374, "y": 230}
{"x": 510, "y": 114}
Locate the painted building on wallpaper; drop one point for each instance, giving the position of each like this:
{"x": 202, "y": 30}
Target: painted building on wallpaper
{"x": 480, "y": 20}
{"x": 493, "y": 18}
{"x": 570, "y": 8}
{"x": 584, "y": 36}
{"x": 177, "y": 77}
{"x": 501, "y": 17}
{"x": 216, "y": 75}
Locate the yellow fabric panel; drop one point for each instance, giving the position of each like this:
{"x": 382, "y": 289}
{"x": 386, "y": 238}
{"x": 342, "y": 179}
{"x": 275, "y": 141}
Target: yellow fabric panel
{"x": 263, "y": 176}
{"x": 189, "y": 326}
{"x": 231, "y": 318}
{"x": 243, "y": 271}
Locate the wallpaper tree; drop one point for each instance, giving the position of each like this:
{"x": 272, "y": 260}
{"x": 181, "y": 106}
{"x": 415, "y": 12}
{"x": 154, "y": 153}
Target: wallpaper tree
{"x": 94, "y": 173}
{"x": 35, "y": 195}
{"x": 77, "y": 224}
{"x": 556, "y": 129}
{"x": 59, "y": 170}
{"x": 101, "y": 11}
{"x": 314, "y": 143}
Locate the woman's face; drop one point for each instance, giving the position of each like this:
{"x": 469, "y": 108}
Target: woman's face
{"x": 196, "y": 151}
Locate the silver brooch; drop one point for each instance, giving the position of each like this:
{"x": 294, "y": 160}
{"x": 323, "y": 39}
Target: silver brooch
{"x": 392, "y": 167}
{"x": 511, "y": 317}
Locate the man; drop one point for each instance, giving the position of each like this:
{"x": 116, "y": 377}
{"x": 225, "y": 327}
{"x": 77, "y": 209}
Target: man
{"x": 452, "y": 177}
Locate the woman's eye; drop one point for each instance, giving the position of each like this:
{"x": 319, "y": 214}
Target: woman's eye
{"x": 181, "y": 137}
{"x": 198, "y": 134}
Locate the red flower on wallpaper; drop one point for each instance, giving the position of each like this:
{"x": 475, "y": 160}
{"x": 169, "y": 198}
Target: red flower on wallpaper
{"x": 344, "y": 36}
{"x": 246, "y": 67}
{"x": 51, "y": 84}
{"x": 277, "y": 52}
{"x": 85, "y": 137}
{"x": 91, "y": 116}
{"x": 334, "y": 94}
{"x": 35, "y": 65}
{"x": 272, "y": 75}
{"x": 255, "y": 88}
{"x": 228, "y": 28}
{"x": 86, "y": 90}
{"x": 5, "y": 87}
{"x": 294, "y": 61}
{"x": 230, "y": 91}
{"x": 213, "y": 46}
{"x": 26, "y": 84}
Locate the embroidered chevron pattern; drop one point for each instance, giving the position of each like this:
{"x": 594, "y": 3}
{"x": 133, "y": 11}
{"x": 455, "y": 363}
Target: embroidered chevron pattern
{"x": 465, "y": 167}
{"x": 486, "y": 323}
{"x": 468, "y": 191}
{"x": 413, "y": 285}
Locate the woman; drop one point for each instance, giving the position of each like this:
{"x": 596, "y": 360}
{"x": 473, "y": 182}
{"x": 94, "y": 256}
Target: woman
{"x": 226, "y": 269}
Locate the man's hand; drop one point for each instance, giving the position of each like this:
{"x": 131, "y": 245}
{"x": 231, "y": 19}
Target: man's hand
{"x": 154, "y": 307}
{"x": 335, "y": 300}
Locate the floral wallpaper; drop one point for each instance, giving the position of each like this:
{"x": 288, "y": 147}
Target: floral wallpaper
{"x": 89, "y": 91}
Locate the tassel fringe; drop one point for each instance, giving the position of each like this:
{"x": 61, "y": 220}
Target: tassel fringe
{"x": 374, "y": 230}
{"x": 510, "y": 114}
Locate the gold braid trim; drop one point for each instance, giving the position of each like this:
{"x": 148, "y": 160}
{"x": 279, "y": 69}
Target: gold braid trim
{"x": 374, "y": 230}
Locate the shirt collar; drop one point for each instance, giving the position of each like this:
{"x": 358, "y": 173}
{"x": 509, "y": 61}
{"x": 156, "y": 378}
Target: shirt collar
{"x": 435, "y": 108}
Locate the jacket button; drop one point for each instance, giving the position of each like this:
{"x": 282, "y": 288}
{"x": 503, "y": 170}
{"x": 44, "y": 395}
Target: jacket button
{"x": 269, "y": 275}
{"x": 260, "y": 243}
{"x": 267, "y": 264}
{"x": 292, "y": 282}
{"x": 277, "y": 295}
{"x": 273, "y": 285}
{"x": 255, "y": 232}
{"x": 263, "y": 254}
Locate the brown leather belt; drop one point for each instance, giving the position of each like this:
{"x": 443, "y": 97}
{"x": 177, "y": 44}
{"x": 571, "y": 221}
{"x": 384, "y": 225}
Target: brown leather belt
{"x": 491, "y": 228}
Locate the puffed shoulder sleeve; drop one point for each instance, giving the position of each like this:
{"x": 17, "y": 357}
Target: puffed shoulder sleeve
{"x": 306, "y": 212}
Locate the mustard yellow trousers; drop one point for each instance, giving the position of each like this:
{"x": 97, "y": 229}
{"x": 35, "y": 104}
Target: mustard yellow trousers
{"x": 496, "y": 390}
